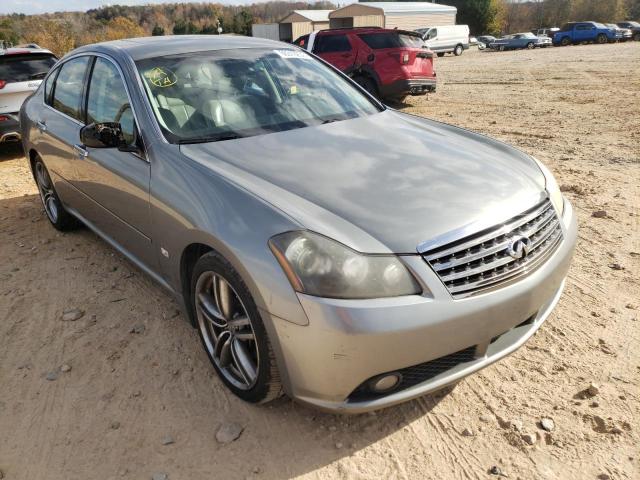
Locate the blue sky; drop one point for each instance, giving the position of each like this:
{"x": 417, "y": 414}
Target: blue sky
{"x": 43, "y": 6}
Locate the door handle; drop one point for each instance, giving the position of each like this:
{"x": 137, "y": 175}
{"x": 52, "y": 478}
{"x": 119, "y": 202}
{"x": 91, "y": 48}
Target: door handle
{"x": 41, "y": 126}
{"x": 80, "y": 150}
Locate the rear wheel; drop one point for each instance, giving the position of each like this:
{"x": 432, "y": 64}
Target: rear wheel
{"x": 368, "y": 84}
{"x": 531, "y": 45}
{"x": 56, "y": 213}
{"x": 232, "y": 331}
{"x": 602, "y": 38}
{"x": 458, "y": 50}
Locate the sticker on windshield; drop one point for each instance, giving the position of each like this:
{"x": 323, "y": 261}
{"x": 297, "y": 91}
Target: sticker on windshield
{"x": 292, "y": 54}
{"x": 161, "y": 77}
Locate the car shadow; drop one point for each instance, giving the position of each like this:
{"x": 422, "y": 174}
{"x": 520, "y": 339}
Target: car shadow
{"x": 10, "y": 151}
{"x": 138, "y": 375}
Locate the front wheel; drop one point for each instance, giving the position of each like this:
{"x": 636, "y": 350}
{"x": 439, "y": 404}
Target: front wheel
{"x": 565, "y": 41}
{"x": 440, "y": 54}
{"x": 602, "y": 38}
{"x": 636, "y": 37}
{"x": 458, "y": 50}
{"x": 232, "y": 331}
{"x": 56, "y": 213}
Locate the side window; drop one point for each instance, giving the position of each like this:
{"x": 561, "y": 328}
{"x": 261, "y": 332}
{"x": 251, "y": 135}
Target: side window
{"x": 433, "y": 33}
{"x": 302, "y": 41}
{"x": 68, "y": 87}
{"x": 107, "y": 99}
{"x": 48, "y": 86}
{"x": 332, "y": 43}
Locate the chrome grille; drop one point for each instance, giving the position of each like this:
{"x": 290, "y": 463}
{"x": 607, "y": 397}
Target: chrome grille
{"x": 482, "y": 260}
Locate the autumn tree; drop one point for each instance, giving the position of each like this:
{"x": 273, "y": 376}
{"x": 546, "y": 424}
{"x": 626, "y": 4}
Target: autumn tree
{"x": 122, "y": 27}
{"x": 54, "y": 35}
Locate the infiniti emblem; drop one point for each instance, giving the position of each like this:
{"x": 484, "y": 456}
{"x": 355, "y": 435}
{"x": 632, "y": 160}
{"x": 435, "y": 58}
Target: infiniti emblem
{"x": 519, "y": 247}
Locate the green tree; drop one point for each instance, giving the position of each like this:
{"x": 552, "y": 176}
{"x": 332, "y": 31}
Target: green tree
{"x": 157, "y": 31}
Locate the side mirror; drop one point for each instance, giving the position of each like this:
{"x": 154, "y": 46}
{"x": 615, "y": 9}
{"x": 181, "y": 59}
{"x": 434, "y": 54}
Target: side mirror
{"x": 103, "y": 135}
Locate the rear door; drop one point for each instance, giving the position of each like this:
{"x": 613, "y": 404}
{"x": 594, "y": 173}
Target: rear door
{"x": 336, "y": 49}
{"x": 60, "y": 120}
{"x": 20, "y": 76}
{"x": 115, "y": 182}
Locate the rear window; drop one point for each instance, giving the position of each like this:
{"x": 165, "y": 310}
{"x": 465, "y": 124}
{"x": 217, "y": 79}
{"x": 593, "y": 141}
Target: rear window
{"x": 377, "y": 41}
{"x": 21, "y": 68}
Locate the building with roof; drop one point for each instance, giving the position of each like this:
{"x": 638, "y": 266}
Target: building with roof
{"x": 401, "y": 15}
{"x": 302, "y": 22}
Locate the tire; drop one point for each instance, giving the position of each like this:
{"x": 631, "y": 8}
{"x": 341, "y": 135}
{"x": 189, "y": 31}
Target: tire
{"x": 531, "y": 45}
{"x": 636, "y": 37}
{"x": 601, "y": 38}
{"x": 502, "y": 49}
{"x": 440, "y": 54}
{"x": 241, "y": 354}
{"x": 565, "y": 41}
{"x": 368, "y": 84}
{"x": 59, "y": 217}
{"x": 458, "y": 50}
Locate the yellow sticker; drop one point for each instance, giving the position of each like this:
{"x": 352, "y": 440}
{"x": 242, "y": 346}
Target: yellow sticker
{"x": 293, "y": 90}
{"x": 161, "y": 77}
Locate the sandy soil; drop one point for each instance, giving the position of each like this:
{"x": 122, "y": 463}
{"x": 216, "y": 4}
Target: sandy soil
{"x": 575, "y": 108}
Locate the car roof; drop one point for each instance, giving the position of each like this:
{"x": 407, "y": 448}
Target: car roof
{"x": 147, "y": 47}
{"x": 332, "y": 31}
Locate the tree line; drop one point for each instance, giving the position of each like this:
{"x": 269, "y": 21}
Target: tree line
{"x": 63, "y": 31}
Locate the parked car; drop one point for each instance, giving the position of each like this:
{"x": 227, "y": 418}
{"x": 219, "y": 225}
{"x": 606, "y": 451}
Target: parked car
{"x": 353, "y": 255}
{"x": 516, "y": 41}
{"x": 389, "y": 64}
{"x": 485, "y": 40}
{"x": 544, "y": 41}
{"x": 473, "y": 41}
{"x": 549, "y": 31}
{"x": 446, "y": 38}
{"x": 633, "y": 26}
{"x": 580, "y": 32}
{"x": 622, "y": 34}
{"x": 21, "y": 71}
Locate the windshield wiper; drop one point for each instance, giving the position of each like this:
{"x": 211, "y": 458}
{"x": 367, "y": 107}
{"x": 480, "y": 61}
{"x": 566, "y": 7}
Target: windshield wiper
{"x": 211, "y": 138}
{"x": 37, "y": 76}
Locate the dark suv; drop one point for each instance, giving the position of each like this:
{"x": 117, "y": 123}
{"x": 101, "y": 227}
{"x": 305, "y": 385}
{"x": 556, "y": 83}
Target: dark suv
{"x": 389, "y": 64}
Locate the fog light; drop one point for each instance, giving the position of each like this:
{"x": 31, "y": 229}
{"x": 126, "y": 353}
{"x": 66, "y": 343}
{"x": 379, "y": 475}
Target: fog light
{"x": 384, "y": 383}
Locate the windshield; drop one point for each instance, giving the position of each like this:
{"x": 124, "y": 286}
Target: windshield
{"x": 227, "y": 94}
{"x": 21, "y": 68}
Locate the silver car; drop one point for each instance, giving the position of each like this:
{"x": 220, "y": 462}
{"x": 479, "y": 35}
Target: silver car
{"x": 322, "y": 244}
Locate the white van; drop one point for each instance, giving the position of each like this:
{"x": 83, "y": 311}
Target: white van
{"x": 446, "y": 38}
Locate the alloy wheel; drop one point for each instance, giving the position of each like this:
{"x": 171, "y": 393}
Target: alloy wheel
{"x": 47, "y": 194}
{"x": 226, "y": 330}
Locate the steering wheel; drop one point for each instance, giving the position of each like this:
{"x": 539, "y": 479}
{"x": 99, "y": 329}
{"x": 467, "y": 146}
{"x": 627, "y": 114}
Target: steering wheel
{"x": 123, "y": 109}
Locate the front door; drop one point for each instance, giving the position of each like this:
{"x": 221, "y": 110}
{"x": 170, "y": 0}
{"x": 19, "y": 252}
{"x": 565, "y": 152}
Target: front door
{"x": 337, "y": 50}
{"x": 115, "y": 182}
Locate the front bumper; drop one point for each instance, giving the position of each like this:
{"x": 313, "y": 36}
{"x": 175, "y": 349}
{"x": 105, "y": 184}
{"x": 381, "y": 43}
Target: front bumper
{"x": 9, "y": 128}
{"x": 348, "y": 342}
{"x": 412, "y": 86}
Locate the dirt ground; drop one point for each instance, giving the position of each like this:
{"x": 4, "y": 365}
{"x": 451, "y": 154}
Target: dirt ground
{"x": 127, "y": 395}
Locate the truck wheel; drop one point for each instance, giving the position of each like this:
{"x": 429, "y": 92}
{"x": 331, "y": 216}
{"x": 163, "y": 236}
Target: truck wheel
{"x": 602, "y": 38}
{"x": 565, "y": 41}
{"x": 458, "y": 50}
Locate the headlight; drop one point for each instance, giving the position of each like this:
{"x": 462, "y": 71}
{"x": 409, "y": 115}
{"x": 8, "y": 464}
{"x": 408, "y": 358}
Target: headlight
{"x": 552, "y": 188}
{"x": 319, "y": 266}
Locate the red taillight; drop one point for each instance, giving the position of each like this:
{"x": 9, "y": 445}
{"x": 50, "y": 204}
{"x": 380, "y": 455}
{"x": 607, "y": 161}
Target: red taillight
{"x": 2, "y": 84}
{"x": 3, "y": 118}
{"x": 405, "y": 58}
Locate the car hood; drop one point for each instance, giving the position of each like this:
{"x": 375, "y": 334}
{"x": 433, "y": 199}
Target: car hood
{"x": 383, "y": 183}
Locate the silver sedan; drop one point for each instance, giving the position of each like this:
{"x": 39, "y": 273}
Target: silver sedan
{"x": 323, "y": 245}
